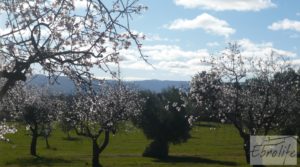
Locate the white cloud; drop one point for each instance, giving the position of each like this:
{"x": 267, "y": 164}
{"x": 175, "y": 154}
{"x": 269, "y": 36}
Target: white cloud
{"x": 285, "y": 24}
{"x": 298, "y": 14}
{"x": 222, "y": 5}
{"x": 134, "y": 78}
{"x": 175, "y": 60}
{"x": 251, "y": 49}
{"x": 186, "y": 68}
{"x": 296, "y": 63}
{"x": 172, "y": 52}
{"x": 212, "y": 44}
{"x": 80, "y": 4}
{"x": 172, "y": 60}
{"x": 155, "y": 37}
{"x": 166, "y": 58}
{"x": 208, "y": 23}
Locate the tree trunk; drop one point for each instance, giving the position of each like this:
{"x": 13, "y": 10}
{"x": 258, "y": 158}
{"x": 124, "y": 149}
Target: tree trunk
{"x": 47, "y": 142}
{"x": 12, "y": 78}
{"x": 105, "y": 142}
{"x": 96, "y": 153}
{"x": 157, "y": 149}
{"x": 68, "y": 135}
{"x": 246, "y": 139}
{"x": 98, "y": 150}
{"x": 33, "y": 144}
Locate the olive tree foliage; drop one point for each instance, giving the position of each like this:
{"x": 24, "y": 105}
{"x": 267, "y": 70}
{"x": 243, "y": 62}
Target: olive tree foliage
{"x": 165, "y": 120}
{"x": 64, "y": 37}
{"x": 36, "y": 109}
{"x": 246, "y": 92}
{"x": 100, "y": 111}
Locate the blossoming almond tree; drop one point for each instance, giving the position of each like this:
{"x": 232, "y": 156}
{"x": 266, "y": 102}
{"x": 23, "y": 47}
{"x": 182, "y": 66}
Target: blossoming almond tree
{"x": 99, "y": 112}
{"x": 66, "y": 117}
{"x": 245, "y": 92}
{"x": 34, "y": 108}
{"x": 66, "y": 37}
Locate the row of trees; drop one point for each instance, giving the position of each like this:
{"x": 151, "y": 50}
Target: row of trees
{"x": 98, "y": 111}
{"x": 90, "y": 113}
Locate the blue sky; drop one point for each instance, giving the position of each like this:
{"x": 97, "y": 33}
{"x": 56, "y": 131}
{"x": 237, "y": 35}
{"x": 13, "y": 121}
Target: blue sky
{"x": 179, "y": 33}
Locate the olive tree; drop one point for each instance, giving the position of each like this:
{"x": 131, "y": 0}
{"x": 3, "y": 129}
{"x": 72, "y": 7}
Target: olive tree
{"x": 63, "y": 37}
{"x": 100, "y": 111}
{"x": 165, "y": 120}
{"x": 246, "y": 92}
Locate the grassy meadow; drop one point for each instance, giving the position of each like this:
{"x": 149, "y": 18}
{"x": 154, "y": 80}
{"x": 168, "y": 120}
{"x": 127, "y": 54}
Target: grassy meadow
{"x": 211, "y": 145}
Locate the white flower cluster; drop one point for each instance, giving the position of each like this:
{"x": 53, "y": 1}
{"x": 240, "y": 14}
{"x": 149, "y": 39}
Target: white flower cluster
{"x": 6, "y": 129}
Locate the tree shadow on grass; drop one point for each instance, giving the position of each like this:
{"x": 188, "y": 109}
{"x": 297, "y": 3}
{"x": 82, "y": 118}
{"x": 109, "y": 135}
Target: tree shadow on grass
{"x": 193, "y": 159}
{"x": 207, "y": 125}
{"x": 38, "y": 161}
{"x": 71, "y": 138}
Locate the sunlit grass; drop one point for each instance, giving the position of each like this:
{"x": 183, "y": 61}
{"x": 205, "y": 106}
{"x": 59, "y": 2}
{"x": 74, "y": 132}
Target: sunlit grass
{"x": 209, "y": 146}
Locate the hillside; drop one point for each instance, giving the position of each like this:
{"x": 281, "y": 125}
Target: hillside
{"x": 66, "y": 86}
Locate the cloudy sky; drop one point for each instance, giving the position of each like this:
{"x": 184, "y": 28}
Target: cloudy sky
{"x": 179, "y": 33}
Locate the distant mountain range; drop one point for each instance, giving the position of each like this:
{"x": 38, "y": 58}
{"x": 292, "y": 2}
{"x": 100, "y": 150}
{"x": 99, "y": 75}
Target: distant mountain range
{"x": 66, "y": 86}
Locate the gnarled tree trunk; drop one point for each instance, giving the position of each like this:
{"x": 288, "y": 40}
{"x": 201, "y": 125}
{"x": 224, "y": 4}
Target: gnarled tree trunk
{"x": 96, "y": 153}
{"x": 47, "y": 142}
{"x": 246, "y": 139}
{"x": 98, "y": 150}
{"x": 33, "y": 142}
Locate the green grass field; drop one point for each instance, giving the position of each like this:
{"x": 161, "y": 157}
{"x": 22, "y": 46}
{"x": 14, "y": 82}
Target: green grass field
{"x": 207, "y": 147}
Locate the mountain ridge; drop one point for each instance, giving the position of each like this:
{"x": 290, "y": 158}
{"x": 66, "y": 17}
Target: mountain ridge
{"x": 66, "y": 86}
